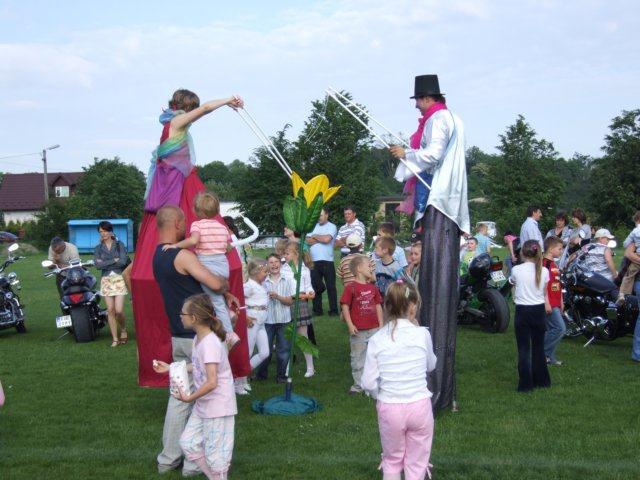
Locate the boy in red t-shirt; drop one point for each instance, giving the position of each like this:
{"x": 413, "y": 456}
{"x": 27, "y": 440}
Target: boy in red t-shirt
{"x": 554, "y": 321}
{"x": 362, "y": 311}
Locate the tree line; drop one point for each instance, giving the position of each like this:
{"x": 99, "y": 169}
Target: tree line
{"x": 526, "y": 170}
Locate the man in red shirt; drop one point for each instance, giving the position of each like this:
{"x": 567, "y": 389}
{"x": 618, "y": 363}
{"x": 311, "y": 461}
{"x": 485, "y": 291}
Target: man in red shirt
{"x": 362, "y": 310}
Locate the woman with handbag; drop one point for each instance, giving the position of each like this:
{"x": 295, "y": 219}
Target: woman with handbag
{"x": 110, "y": 257}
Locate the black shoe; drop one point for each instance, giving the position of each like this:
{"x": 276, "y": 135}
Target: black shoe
{"x": 282, "y": 380}
{"x": 318, "y": 313}
{"x": 333, "y": 314}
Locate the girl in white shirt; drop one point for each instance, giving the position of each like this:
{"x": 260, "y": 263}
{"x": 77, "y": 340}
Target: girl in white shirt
{"x": 256, "y": 298}
{"x": 305, "y": 317}
{"x": 398, "y": 358}
{"x": 530, "y": 279}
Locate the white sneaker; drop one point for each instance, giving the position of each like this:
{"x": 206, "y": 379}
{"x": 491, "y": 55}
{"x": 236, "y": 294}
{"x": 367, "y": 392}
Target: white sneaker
{"x": 247, "y": 387}
{"x": 310, "y": 373}
{"x": 240, "y": 390}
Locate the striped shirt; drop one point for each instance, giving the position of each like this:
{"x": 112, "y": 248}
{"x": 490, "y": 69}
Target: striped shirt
{"x": 278, "y": 312}
{"x": 354, "y": 227}
{"x": 344, "y": 272}
{"x": 214, "y": 236}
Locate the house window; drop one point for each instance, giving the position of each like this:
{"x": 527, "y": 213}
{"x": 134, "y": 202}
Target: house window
{"x": 62, "y": 191}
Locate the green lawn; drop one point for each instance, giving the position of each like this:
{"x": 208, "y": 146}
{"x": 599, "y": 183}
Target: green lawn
{"x": 75, "y": 411}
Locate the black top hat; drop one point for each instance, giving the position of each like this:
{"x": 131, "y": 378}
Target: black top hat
{"x": 426, "y": 85}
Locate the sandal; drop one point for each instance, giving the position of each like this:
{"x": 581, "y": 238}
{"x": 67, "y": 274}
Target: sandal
{"x": 124, "y": 337}
{"x": 115, "y": 343}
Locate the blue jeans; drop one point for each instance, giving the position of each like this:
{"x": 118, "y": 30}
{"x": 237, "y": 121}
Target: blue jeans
{"x": 555, "y": 331}
{"x": 218, "y": 265}
{"x": 276, "y": 330}
{"x": 635, "y": 346}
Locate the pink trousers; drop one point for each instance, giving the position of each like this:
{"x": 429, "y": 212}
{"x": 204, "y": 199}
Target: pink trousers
{"x": 406, "y": 433}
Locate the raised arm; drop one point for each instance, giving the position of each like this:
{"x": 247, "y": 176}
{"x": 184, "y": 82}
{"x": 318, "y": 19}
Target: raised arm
{"x": 181, "y": 121}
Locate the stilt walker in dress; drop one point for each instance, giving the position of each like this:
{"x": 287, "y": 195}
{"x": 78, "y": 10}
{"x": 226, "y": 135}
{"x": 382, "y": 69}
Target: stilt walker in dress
{"x": 173, "y": 180}
{"x": 437, "y": 155}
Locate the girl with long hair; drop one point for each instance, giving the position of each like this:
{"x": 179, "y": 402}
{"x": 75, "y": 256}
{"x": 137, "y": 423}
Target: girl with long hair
{"x": 532, "y": 304}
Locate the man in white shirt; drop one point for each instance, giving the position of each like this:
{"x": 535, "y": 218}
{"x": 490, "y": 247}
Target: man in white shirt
{"x": 323, "y": 274}
{"x": 352, "y": 225}
{"x": 530, "y": 229}
{"x": 437, "y": 148}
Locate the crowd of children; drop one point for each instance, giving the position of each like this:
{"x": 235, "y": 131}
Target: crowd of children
{"x": 390, "y": 353}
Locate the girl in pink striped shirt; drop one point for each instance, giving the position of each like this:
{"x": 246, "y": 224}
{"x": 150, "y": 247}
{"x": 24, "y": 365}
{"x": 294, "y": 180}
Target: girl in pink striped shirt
{"x": 211, "y": 239}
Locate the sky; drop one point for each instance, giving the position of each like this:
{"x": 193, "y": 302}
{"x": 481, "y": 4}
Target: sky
{"x": 93, "y": 77}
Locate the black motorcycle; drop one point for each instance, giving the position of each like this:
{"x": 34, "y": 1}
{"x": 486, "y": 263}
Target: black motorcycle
{"x": 11, "y": 310}
{"x": 590, "y": 304}
{"x": 80, "y": 302}
{"x": 482, "y": 295}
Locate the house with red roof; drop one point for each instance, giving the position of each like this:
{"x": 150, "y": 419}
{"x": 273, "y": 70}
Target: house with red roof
{"x": 22, "y": 194}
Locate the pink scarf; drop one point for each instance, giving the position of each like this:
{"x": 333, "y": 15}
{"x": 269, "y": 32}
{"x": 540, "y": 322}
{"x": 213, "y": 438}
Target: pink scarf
{"x": 414, "y": 142}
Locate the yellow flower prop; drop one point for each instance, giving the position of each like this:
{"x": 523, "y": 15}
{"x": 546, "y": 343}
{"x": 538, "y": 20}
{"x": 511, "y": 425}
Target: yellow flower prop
{"x": 311, "y": 189}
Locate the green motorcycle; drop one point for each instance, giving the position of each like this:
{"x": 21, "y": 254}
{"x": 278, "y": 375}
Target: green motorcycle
{"x": 482, "y": 295}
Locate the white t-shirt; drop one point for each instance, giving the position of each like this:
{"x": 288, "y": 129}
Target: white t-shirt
{"x": 523, "y": 276}
{"x": 256, "y": 295}
{"x": 397, "y": 362}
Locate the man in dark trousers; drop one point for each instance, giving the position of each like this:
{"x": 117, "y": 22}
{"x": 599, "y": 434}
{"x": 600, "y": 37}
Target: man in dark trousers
{"x": 179, "y": 275}
{"x": 437, "y": 154}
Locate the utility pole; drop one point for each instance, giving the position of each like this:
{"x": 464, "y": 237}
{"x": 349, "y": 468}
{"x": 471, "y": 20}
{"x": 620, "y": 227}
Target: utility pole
{"x": 46, "y": 177}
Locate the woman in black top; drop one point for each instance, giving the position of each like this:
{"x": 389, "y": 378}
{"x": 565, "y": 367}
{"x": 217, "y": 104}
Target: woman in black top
{"x": 111, "y": 258}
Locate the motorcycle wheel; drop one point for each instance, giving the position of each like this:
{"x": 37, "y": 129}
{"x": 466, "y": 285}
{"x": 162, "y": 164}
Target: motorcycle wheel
{"x": 82, "y": 326}
{"x": 496, "y": 309}
{"x": 21, "y": 328}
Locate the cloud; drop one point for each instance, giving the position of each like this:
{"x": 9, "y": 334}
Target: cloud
{"x": 24, "y": 65}
{"x": 22, "y": 104}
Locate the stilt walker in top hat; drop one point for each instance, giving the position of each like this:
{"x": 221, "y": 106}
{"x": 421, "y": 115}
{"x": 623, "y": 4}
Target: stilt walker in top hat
{"x": 437, "y": 154}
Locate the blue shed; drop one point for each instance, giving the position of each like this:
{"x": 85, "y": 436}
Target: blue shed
{"x": 84, "y": 233}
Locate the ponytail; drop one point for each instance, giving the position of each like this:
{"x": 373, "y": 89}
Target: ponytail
{"x": 531, "y": 250}
{"x": 201, "y": 308}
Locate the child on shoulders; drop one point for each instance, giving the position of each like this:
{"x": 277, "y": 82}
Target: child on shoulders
{"x": 362, "y": 311}
{"x": 212, "y": 240}
{"x": 399, "y": 356}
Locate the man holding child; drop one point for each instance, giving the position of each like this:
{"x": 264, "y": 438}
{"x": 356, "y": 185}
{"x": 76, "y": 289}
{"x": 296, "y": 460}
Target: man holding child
{"x": 179, "y": 275}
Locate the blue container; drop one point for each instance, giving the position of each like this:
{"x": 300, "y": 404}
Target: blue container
{"x": 84, "y": 233}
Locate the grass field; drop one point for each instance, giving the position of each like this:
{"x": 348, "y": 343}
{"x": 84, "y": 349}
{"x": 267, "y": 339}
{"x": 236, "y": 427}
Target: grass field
{"x": 75, "y": 411}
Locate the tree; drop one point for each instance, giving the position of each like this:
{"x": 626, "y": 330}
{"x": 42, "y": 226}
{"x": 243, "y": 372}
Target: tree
{"x": 334, "y": 143}
{"x": 215, "y": 171}
{"x": 261, "y": 190}
{"x": 615, "y": 178}
{"x": 109, "y": 189}
{"x": 576, "y": 173}
{"x": 478, "y": 164}
{"x": 526, "y": 174}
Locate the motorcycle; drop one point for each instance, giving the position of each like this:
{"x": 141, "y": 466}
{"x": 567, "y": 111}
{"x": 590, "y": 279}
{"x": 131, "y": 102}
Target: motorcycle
{"x": 590, "y": 303}
{"x": 80, "y": 302}
{"x": 11, "y": 310}
{"x": 482, "y": 295}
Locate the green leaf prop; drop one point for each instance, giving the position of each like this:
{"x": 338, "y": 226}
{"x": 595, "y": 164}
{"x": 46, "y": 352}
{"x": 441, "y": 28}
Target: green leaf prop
{"x": 295, "y": 213}
{"x": 313, "y": 213}
{"x": 302, "y": 342}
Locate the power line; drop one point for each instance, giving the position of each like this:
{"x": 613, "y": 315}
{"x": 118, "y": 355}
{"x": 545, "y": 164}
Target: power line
{"x": 20, "y": 155}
